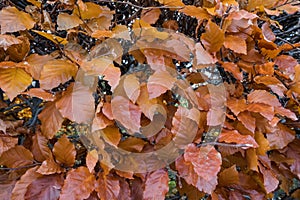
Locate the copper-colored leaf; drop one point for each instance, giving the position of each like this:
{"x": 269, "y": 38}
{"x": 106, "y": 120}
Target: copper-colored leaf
{"x": 40, "y": 93}
{"x": 64, "y": 151}
{"x": 159, "y": 83}
{"x": 233, "y": 136}
{"x": 91, "y": 159}
{"x": 267, "y": 32}
{"x": 132, "y": 87}
{"x": 112, "y": 135}
{"x": 132, "y": 144}
{"x": 21, "y": 186}
{"x": 108, "y": 187}
{"x": 46, "y": 187}
{"x": 54, "y": 38}
{"x": 8, "y": 77}
{"x": 7, "y": 143}
{"x": 77, "y": 103}
{"x": 78, "y": 184}
{"x": 197, "y": 12}
{"x": 66, "y": 21}
{"x": 202, "y": 56}
{"x": 51, "y": 120}
{"x": 156, "y": 185}
{"x": 286, "y": 112}
{"x": 270, "y": 179}
{"x": 13, "y": 20}
{"x": 128, "y": 114}
{"x": 247, "y": 120}
{"x": 213, "y": 38}
{"x": 236, "y": 105}
{"x": 263, "y": 109}
{"x": 286, "y": 64}
{"x": 56, "y": 72}
{"x": 8, "y": 40}
{"x": 262, "y": 96}
{"x": 234, "y": 69}
{"x": 280, "y": 137}
{"x": 16, "y": 157}
{"x": 150, "y": 16}
{"x": 262, "y": 142}
{"x": 49, "y": 166}
{"x": 236, "y": 44}
{"x": 171, "y": 2}
{"x": 91, "y": 10}
{"x": 34, "y": 64}
{"x": 229, "y": 176}
{"x": 39, "y": 148}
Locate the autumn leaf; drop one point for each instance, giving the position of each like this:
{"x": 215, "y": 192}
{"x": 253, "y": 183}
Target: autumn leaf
{"x": 171, "y": 2}
{"x": 64, "y": 151}
{"x": 51, "y": 120}
{"x": 262, "y": 96}
{"x": 197, "y": 12}
{"x": 49, "y": 166}
{"x": 78, "y": 184}
{"x": 8, "y": 76}
{"x": 66, "y": 21}
{"x": 8, "y": 40}
{"x": 45, "y": 187}
{"x": 77, "y": 103}
{"x": 247, "y": 120}
{"x": 91, "y": 10}
{"x": 107, "y": 187}
{"x": 40, "y": 93}
{"x": 203, "y": 57}
{"x": 91, "y": 159}
{"x": 13, "y": 20}
{"x": 233, "y": 136}
{"x": 132, "y": 87}
{"x": 56, "y": 72}
{"x": 150, "y": 16}
{"x": 236, "y": 44}
{"x": 156, "y": 181}
{"x": 7, "y": 143}
{"x": 39, "y": 148}
{"x": 213, "y": 38}
{"x": 54, "y": 38}
{"x": 229, "y": 176}
{"x": 34, "y": 64}
{"x": 16, "y": 157}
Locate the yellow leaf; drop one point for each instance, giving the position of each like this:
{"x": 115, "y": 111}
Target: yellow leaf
{"x": 53, "y": 38}
{"x": 13, "y": 80}
{"x": 92, "y": 10}
{"x": 13, "y": 20}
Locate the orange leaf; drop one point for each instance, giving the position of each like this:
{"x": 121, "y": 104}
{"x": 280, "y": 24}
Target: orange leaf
{"x": 132, "y": 87}
{"x": 64, "y": 151}
{"x": 286, "y": 112}
{"x": 91, "y": 159}
{"x": 8, "y": 77}
{"x": 102, "y": 34}
{"x": 39, "y": 148}
{"x": 111, "y": 135}
{"x": 40, "y": 93}
{"x": 8, "y": 40}
{"x": 270, "y": 179}
{"x": 54, "y": 38}
{"x": 45, "y": 187}
{"x": 280, "y": 136}
{"x": 34, "y": 64}
{"x": 49, "y": 166}
{"x": 132, "y": 144}
{"x": 21, "y": 186}
{"x": 234, "y": 69}
{"x": 156, "y": 185}
{"x": 286, "y": 64}
{"x": 7, "y": 143}
{"x": 236, "y": 105}
{"x": 197, "y": 12}
{"x": 150, "y": 16}
{"x": 267, "y": 32}
{"x": 273, "y": 83}
{"x": 213, "y": 38}
{"x": 202, "y": 56}
{"x": 13, "y": 20}
{"x": 236, "y": 44}
{"x": 262, "y": 96}
{"x": 233, "y": 136}
{"x": 51, "y": 120}
{"x": 90, "y": 11}
{"x": 66, "y": 21}
{"x": 159, "y": 83}
{"x": 171, "y": 2}
{"x": 78, "y": 184}
{"x": 128, "y": 114}
{"x": 262, "y": 142}
{"x": 16, "y": 157}
{"x": 262, "y": 109}
{"x": 108, "y": 187}
{"x": 247, "y": 120}
{"x": 229, "y": 176}
{"x": 56, "y": 72}
{"x": 77, "y": 103}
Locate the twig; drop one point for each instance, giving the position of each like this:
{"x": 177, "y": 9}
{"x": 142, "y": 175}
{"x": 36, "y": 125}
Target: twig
{"x": 224, "y": 144}
{"x": 279, "y": 38}
{"x": 22, "y": 167}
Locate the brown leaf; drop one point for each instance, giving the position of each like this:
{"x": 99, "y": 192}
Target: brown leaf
{"x": 13, "y": 20}
{"x": 39, "y": 148}
{"x": 270, "y": 179}
{"x": 7, "y": 143}
{"x": 54, "y": 38}
{"x": 236, "y": 105}
{"x": 150, "y": 16}
{"x": 197, "y": 12}
{"x": 56, "y": 72}
{"x": 8, "y": 76}
{"x": 64, "y": 151}
{"x": 108, "y": 187}
{"x": 132, "y": 87}
{"x": 262, "y": 142}
{"x": 286, "y": 112}
{"x": 78, "y": 184}
{"x": 18, "y": 52}
{"x": 233, "y": 136}
{"x": 21, "y": 186}
{"x": 132, "y": 144}
{"x": 40, "y": 93}
{"x": 46, "y": 187}
{"x": 247, "y": 120}
{"x": 202, "y": 56}
{"x": 213, "y": 38}
{"x": 234, "y": 69}
{"x": 262, "y": 96}
{"x": 91, "y": 10}
{"x": 49, "y": 166}
{"x": 252, "y": 159}
{"x": 171, "y": 2}
{"x": 51, "y": 120}
{"x": 128, "y": 114}
{"x": 236, "y": 44}
{"x": 286, "y": 64}
{"x": 8, "y": 40}
{"x": 91, "y": 159}
{"x": 267, "y": 32}
{"x": 77, "y": 103}
{"x": 159, "y": 83}
{"x": 263, "y": 109}
{"x": 156, "y": 185}
{"x": 66, "y": 21}
{"x": 16, "y": 157}
{"x": 111, "y": 135}
{"x": 280, "y": 137}
{"x": 273, "y": 83}
{"x": 229, "y": 176}
{"x": 35, "y": 64}
{"x": 102, "y": 34}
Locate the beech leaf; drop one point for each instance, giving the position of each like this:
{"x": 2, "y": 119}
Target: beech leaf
{"x": 64, "y": 151}
{"x": 16, "y": 157}
{"x": 156, "y": 181}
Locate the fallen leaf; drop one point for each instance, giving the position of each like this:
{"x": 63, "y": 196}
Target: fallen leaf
{"x": 64, "y": 151}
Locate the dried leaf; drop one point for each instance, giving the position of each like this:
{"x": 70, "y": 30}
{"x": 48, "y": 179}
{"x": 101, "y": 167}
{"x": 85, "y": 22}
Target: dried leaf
{"x": 40, "y": 93}
{"x": 39, "y": 148}
{"x": 229, "y": 176}
{"x": 108, "y": 187}
{"x": 8, "y": 77}
{"x": 202, "y": 56}
{"x": 34, "y": 64}
{"x": 49, "y": 166}
{"x": 236, "y": 44}
{"x": 64, "y": 151}
{"x": 247, "y": 120}
{"x": 77, "y": 103}
{"x": 280, "y": 137}
{"x": 13, "y": 20}
{"x": 66, "y": 21}
{"x": 78, "y": 184}
{"x": 270, "y": 179}
{"x": 8, "y": 40}
{"x": 262, "y": 96}
{"x": 51, "y": 120}
{"x": 90, "y": 11}
{"x": 91, "y": 159}
{"x": 16, "y": 157}
{"x": 150, "y": 16}
{"x": 197, "y": 12}
{"x": 171, "y": 2}
{"x": 156, "y": 181}
{"x": 213, "y": 38}
{"x": 132, "y": 87}
{"x": 56, "y": 72}
{"x": 54, "y": 38}
{"x": 233, "y": 136}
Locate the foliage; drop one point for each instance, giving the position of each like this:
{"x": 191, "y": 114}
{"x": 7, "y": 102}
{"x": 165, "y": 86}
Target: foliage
{"x": 247, "y": 148}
